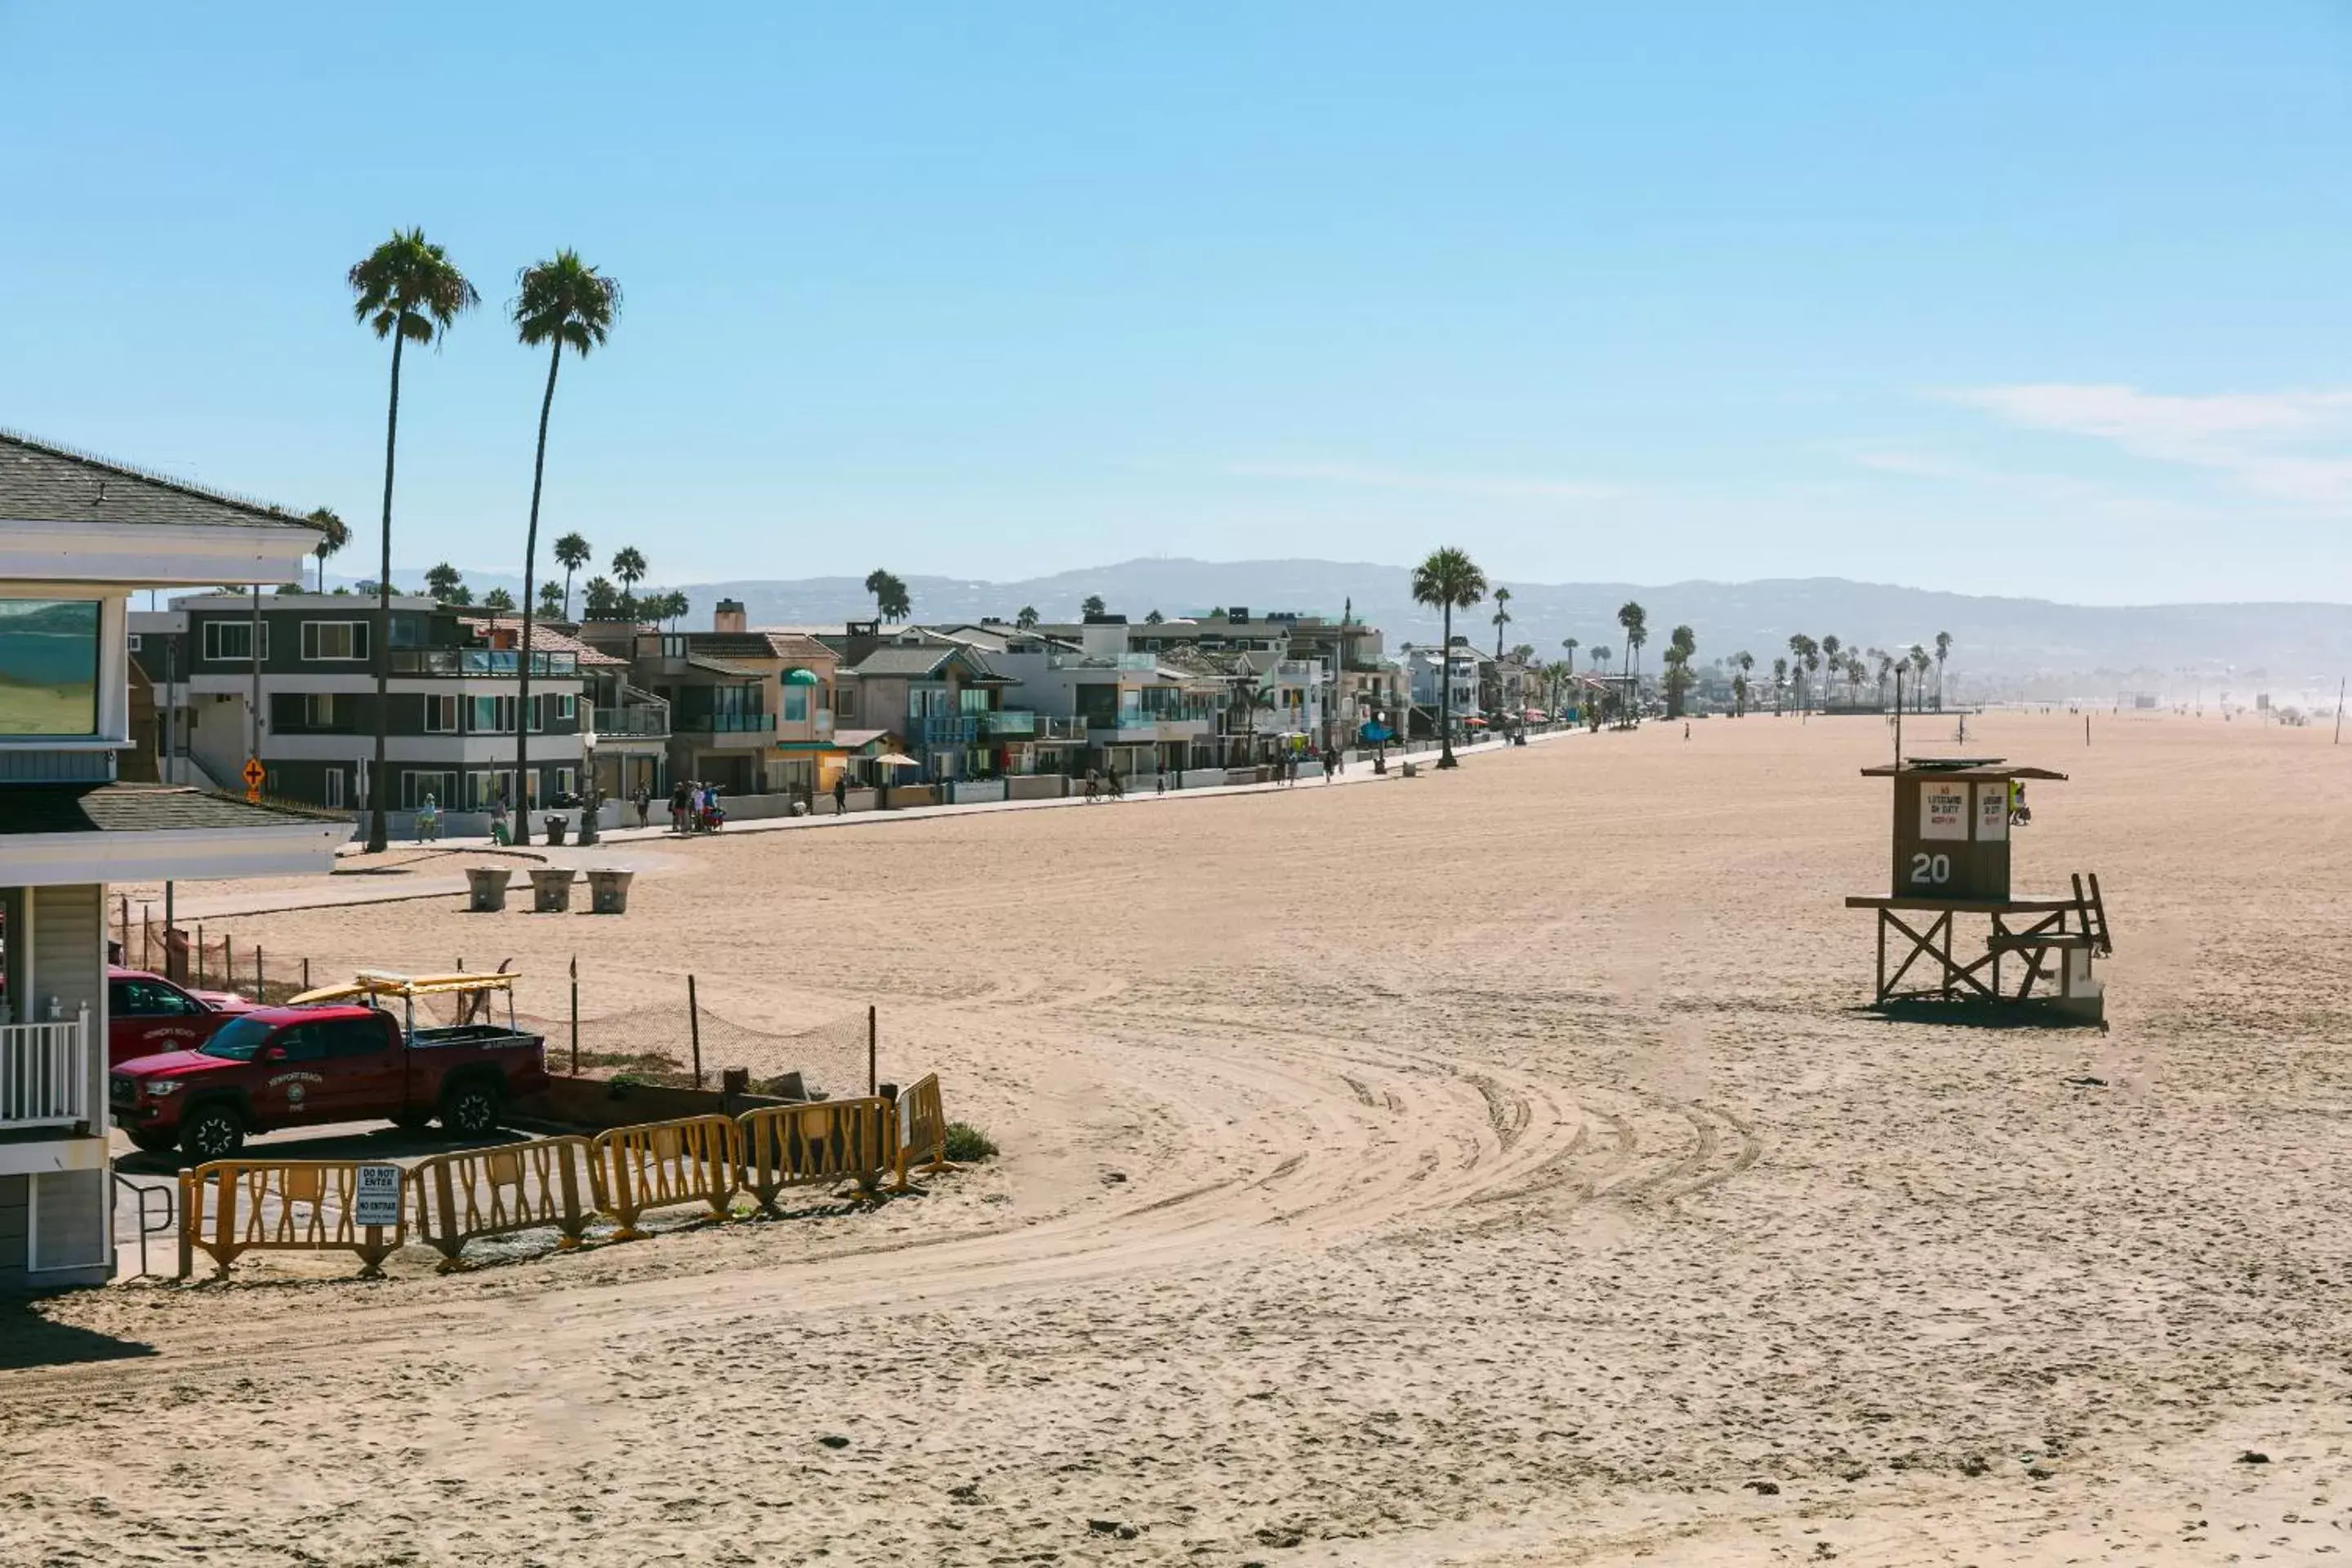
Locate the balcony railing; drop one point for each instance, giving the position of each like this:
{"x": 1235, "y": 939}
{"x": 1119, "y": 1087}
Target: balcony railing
{"x": 478, "y": 661}
{"x": 652, "y": 719}
{"x": 950, "y": 730}
{"x": 725, "y": 723}
{"x": 45, "y": 1071}
{"x": 1144, "y": 662}
{"x": 1012, "y": 721}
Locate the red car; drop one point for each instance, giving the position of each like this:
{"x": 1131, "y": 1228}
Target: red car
{"x": 295, "y": 1067}
{"x": 146, "y": 1013}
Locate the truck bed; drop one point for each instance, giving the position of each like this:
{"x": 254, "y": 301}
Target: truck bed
{"x": 488, "y": 1036}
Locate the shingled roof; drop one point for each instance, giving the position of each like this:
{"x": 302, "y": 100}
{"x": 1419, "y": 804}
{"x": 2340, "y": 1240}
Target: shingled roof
{"x": 138, "y": 808}
{"x": 42, "y": 483}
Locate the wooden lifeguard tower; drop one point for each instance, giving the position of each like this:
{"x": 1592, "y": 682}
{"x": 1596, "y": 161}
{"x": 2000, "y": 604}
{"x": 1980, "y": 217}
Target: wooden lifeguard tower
{"x": 1954, "y": 822}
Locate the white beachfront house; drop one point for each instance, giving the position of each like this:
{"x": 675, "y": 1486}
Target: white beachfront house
{"x": 77, "y": 535}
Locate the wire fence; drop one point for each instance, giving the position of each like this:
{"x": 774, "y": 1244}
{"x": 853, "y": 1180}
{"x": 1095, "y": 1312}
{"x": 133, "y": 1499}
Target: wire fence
{"x": 206, "y": 959}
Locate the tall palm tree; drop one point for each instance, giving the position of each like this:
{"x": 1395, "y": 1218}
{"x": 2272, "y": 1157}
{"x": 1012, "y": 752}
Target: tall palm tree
{"x": 891, "y": 601}
{"x": 1502, "y": 617}
{"x": 1804, "y": 653}
{"x": 560, "y": 303}
{"x": 1448, "y": 581}
{"x": 1027, "y": 619}
{"x": 409, "y": 290}
{"x": 1680, "y": 647}
{"x": 1885, "y": 666}
{"x": 1571, "y": 645}
{"x": 551, "y": 602}
{"x": 499, "y": 601}
{"x": 1943, "y": 651}
{"x": 1636, "y": 621}
{"x": 1833, "y": 655}
{"x": 571, "y": 553}
{"x": 443, "y": 582}
{"x": 1746, "y": 663}
{"x": 629, "y": 566}
{"x": 332, "y": 537}
{"x": 1780, "y": 682}
{"x": 1919, "y": 661}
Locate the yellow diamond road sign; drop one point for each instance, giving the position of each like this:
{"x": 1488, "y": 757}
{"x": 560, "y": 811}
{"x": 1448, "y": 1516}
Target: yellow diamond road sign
{"x": 254, "y": 774}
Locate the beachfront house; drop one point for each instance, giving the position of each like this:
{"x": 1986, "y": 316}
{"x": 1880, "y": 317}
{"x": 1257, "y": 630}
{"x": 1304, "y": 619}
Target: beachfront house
{"x": 78, "y": 536}
{"x": 306, "y": 705}
{"x": 936, "y": 691}
{"x": 1140, "y": 715}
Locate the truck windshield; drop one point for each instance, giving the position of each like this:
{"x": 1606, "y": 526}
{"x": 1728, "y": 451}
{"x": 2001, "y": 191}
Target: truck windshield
{"x": 237, "y": 1040}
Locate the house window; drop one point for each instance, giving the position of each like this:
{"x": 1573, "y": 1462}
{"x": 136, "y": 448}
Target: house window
{"x": 567, "y": 706}
{"x": 845, "y": 703}
{"x": 441, "y": 715}
{"x": 415, "y": 785}
{"x": 334, "y": 790}
{"x": 48, "y": 667}
{"x": 491, "y": 715}
{"x": 334, "y": 640}
{"x": 134, "y": 642}
{"x": 795, "y": 705}
{"x": 319, "y": 711}
{"x": 226, "y": 639}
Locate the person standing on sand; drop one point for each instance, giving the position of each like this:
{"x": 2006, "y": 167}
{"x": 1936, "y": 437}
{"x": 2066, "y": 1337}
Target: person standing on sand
{"x": 498, "y": 831}
{"x": 841, "y": 793}
{"x": 643, "y": 799}
{"x": 681, "y": 797}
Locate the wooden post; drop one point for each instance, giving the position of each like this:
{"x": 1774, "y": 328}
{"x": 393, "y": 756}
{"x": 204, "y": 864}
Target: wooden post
{"x": 2339, "y": 711}
{"x": 306, "y": 972}
{"x": 260, "y": 974}
{"x": 200, "y": 952}
{"x": 694, "y": 1027}
{"x": 872, "y": 1050}
{"x": 575, "y": 1014}
{"x": 2086, "y": 729}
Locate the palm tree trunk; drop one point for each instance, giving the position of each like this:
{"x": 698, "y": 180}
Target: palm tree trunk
{"x": 529, "y": 562}
{"x": 379, "y": 785}
{"x": 567, "y": 593}
{"x": 1445, "y": 691}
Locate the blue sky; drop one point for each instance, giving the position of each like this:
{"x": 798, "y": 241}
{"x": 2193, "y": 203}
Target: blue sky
{"x": 2018, "y": 299}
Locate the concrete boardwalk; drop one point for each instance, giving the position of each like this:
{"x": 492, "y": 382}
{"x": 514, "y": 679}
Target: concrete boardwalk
{"x": 617, "y": 844}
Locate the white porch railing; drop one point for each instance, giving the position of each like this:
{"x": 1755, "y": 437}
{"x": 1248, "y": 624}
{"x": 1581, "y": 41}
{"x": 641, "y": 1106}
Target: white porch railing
{"x": 45, "y": 1073}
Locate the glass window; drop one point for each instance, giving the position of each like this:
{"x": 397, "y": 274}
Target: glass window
{"x": 228, "y": 639}
{"x": 48, "y": 667}
{"x": 441, "y": 715}
{"x": 349, "y": 1037}
{"x": 334, "y": 640}
{"x": 795, "y": 705}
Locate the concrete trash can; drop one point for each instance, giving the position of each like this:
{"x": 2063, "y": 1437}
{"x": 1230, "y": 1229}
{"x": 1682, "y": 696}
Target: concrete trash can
{"x": 608, "y": 890}
{"x": 554, "y": 827}
{"x": 489, "y": 885}
{"x": 551, "y": 888}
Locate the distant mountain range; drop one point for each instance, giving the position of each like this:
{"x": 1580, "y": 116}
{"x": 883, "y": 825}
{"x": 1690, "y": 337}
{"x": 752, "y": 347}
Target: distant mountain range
{"x": 2058, "y": 649}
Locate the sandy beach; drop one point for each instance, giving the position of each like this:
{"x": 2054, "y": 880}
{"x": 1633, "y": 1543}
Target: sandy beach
{"x": 1485, "y": 1168}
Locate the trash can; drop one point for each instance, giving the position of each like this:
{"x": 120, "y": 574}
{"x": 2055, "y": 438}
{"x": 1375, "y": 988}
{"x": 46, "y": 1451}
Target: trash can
{"x": 490, "y": 885}
{"x": 554, "y": 825}
{"x": 587, "y": 834}
{"x": 608, "y": 890}
{"x": 551, "y": 888}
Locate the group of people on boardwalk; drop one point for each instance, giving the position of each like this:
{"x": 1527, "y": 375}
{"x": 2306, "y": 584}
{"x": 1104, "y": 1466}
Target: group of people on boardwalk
{"x": 1105, "y": 785}
{"x": 694, "y": 807}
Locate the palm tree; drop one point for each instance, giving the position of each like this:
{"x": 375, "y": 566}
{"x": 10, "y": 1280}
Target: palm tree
{"x": 1804, "y": 653}
{"x": 1680, "y": 645}
{"x": 1027, "y": 619}
{"x": 554, "y": 601}
{"x": 1448, "y": 581}
{"x": 560, "y": 303}
{"x": 1093, "y": 605}
{"x": 332, "y": 537}
{"x": 409, "y": 290}
{"x": 1636, "y": 622}
{"x": 1745, "y": 662}
{"x": 1502, "y": 617}
{"x": 571, "y": 553}
{"x": 1920, "y": 660}
{"x": 600, "y": 601}
{"x": 890, "y": 600}
{"x": 1571, "y": 645}
{"x": 1739, "y": 695}
{"x": 1832, "y": 652}
{"x": 1943, "y": 651}
{"x": 443, "y": 582}
{"x": 1153, "y": 618}
{"x": 499, "y": 601}
{"x": 1886, "y": 668}
{"x": 1780, "y": 683}
{"x": 629, "y": 566}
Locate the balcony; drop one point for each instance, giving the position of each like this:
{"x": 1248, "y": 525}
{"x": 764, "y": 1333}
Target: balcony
{"x": 1143, "y": 662}
{"x": 726, "y": 723}
{"x": 45, "y": 1072}
{"x": 952, "y": 729}
{"x": 1134, "y": 726}
{"x": 463, "y": 661}
{"x": 648, "y": 721}
{"x": 1015, "y": 723}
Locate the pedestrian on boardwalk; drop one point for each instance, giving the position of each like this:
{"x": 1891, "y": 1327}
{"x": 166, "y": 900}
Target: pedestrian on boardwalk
{"x": 841, "y": 793}
{"x": 498, "y": 830}
{"x": 681, "y": 799}
{"x": 643, "y": 799}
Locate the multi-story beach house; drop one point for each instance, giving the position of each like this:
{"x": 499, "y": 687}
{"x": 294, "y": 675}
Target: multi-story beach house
{"x": 78, "y": 537}
{"x": 291, "y": 678}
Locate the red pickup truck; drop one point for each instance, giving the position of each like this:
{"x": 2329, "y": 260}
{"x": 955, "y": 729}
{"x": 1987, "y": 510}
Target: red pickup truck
{"x": 146, "y": 1013}
{"x": 301, "y": 1066}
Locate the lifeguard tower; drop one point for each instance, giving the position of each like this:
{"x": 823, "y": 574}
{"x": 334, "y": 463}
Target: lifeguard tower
{"x": 1954, "y": 819}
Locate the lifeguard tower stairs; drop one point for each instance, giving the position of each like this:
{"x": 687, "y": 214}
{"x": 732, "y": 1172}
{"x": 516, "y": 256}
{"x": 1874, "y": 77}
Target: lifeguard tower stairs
{"x": 1954, "y": 819}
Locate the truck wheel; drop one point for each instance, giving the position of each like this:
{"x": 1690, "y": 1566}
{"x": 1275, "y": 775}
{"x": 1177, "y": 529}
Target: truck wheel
{"x": 470, "y": 1110}
{"x": 212, "y": 1132}
{"x": 152, "y": 1142}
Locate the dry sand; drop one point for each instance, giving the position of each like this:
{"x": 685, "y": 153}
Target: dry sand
{"x": 1485, "y": 1169}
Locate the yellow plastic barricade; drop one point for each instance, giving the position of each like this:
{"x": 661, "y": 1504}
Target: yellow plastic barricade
{"x": 796, "y": 1145}
{"x": 496, "y": 1192}
{"x": 232, "y": 1206}
{"x": 658, "y": 1163}
{"x": 922, "y": 1129}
